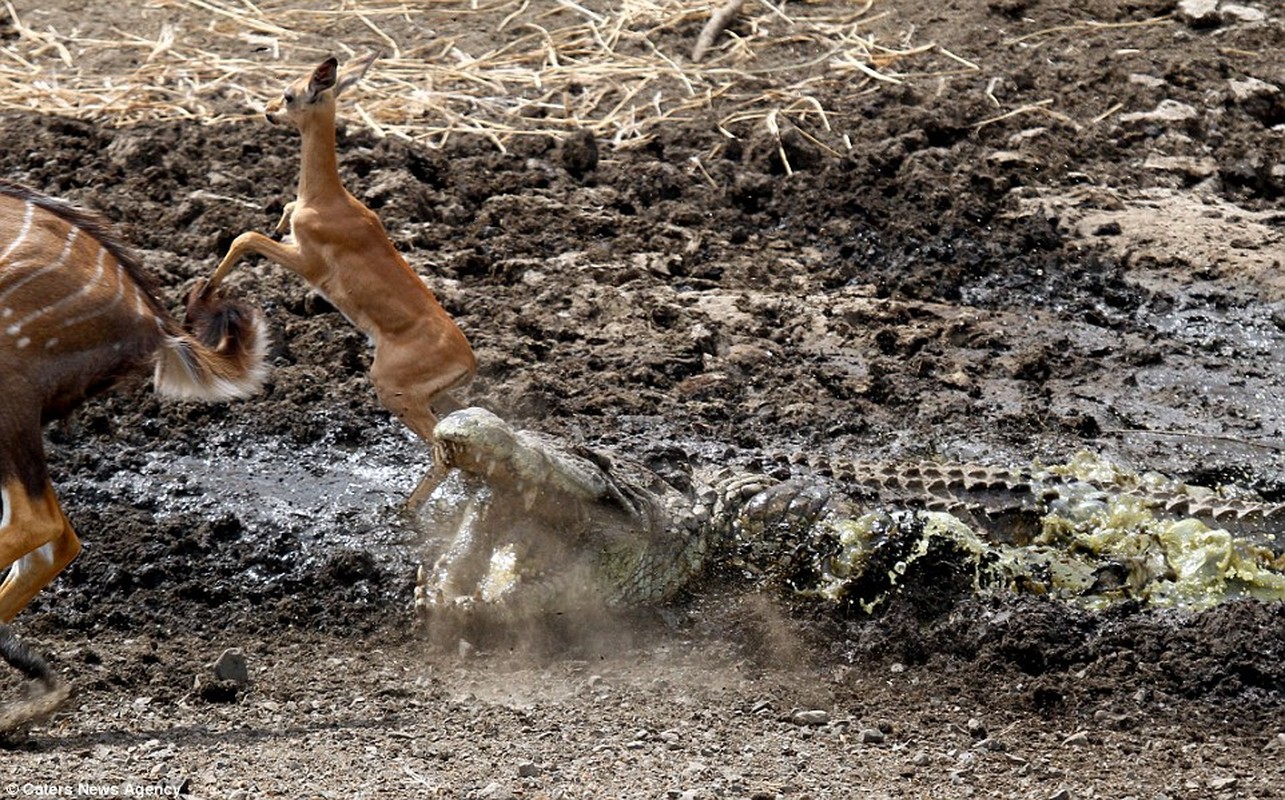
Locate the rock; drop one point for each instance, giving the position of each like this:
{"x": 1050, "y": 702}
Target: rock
{"x": 496, "y": 791}
{"x": 1061, "y": 794}
{"x": 528, "y": 769}
{"x": 228, "y": 677}
{"x": 1168, "y": 111}
{"x": 1077, "y": 739}
{"x": 1012, "y": 158}
{"x": 232, "y": 666}
{"x": 212, "y": 690}
{"x": 810, "y": 717}
{"x": 131, "y": 154}
{"x": 871, "y": 736}
{"x": 176, "y": 785}
{"x": 1234, "y": 12}
{"x": 580, "y": 153}
{"x": 1149, "y": 81}
{"x": 1251, "y": 88}
{"x": 1187, "y": 166}
{"x": 1198, "y": 13}
{"x": 1222, "y": 784}
{"x": 1262, "y": 100}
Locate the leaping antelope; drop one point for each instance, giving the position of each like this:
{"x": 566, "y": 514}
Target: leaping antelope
{"x": 340, "y": 248}
{"x": 76, "y": 314}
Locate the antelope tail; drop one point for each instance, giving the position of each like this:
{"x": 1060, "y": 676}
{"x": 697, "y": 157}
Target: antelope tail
{"x": 216, "y": 354}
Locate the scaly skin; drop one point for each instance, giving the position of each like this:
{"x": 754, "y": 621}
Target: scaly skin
{"x": 532, "y": 527}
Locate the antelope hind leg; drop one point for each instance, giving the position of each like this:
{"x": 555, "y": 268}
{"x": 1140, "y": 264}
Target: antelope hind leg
{"x": 49, "y": 694}
{"x": 425, "y": 487}
{"x": 36, "y": 543}
{"x": 443, "y": 404}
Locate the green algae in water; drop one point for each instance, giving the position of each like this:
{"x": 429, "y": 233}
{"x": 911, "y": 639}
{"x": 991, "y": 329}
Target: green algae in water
{"x": 1097, "y": 547}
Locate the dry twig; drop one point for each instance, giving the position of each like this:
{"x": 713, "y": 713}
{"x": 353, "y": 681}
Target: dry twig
{"x": 561, "y": 66}
{"x": 720, "y": 19}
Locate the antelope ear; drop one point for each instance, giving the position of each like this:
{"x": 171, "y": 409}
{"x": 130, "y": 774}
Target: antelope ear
{"x": 323, "y": 77}
{"x": 354, "y": 71}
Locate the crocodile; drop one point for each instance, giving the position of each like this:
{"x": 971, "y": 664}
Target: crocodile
{"x": 531, "y": 527}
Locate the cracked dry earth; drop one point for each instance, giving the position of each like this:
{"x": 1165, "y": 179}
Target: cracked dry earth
{"x": 964, "y": 284}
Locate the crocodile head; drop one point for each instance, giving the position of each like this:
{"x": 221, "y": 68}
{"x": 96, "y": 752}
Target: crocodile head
{"x": 531, "y": 529}
{"x": 528, "y": 527}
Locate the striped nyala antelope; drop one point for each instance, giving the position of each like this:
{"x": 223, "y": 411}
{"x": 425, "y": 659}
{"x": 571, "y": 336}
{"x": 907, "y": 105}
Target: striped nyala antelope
{"x": 76, "y": 314}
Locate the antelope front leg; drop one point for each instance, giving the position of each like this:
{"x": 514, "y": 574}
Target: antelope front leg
{"x": 287, "y": 255}
{"x": 284, "y": 222}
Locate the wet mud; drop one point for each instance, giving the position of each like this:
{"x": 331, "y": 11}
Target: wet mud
{"x": 952, "y": 288}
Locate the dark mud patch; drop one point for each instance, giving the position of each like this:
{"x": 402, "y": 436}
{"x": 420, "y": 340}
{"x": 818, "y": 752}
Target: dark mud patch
{"x": 963, "y": 284}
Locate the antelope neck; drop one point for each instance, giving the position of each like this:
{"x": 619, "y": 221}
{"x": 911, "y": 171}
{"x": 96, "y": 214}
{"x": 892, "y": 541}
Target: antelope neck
{"x": 319, "y": 166}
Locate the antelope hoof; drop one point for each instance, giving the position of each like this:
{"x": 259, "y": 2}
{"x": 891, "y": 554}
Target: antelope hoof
{"x": 202, "y": 289}
{"x": 46, "y": 698}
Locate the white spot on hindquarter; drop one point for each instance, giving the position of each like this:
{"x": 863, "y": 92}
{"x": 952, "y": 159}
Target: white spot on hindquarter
{"x": 22, "y": 234}
{"x": 23, "y": 342}
{"x": 52, "y": 343}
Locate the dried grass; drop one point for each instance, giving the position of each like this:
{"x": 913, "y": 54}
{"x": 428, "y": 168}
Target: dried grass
{"x": 542, "y": 67}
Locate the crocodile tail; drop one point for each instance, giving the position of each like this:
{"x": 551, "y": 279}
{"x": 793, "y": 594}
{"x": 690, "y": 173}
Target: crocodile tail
{"x": 217, "y": 353}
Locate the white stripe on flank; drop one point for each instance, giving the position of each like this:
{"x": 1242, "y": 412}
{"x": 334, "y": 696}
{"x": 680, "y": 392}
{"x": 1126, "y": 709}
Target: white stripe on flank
{"x": 140, "y": 304}
{"x": 71, "y": 298}
{"x": 7, "y": 514}
{"x": 57, "y": 265}
{"x": 101, "y": 308}
{"x": 22, "y": 234}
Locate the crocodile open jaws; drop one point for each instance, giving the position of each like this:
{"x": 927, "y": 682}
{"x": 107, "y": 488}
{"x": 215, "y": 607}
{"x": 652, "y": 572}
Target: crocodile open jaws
{"x": 526, "y": 527}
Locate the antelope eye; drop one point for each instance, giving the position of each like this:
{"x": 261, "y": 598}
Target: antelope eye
{"x": 289, "y": 95}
